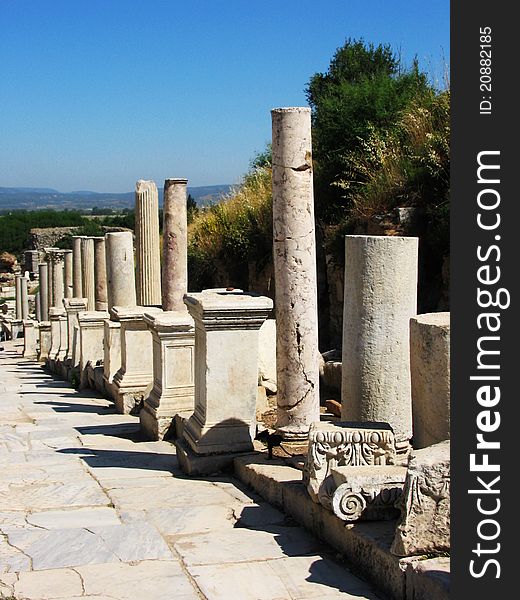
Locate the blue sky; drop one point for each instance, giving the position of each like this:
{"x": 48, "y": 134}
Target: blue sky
{"x": 95, "y": 94}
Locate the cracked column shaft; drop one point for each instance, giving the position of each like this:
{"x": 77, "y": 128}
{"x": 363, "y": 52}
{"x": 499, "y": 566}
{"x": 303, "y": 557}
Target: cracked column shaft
{"x": 295, "y": 273}
{"x": 175, "y": 245}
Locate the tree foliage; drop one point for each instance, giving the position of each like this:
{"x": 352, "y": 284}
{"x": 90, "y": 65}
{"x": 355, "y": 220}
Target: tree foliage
{"x": 363, "y": 91}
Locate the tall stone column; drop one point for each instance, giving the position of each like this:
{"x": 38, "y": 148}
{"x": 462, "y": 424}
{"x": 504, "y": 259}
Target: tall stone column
{"x": 77, "y": 288}
{"x": 58, "y": 283}
{"x": 175, "y": 245}
{"x": 295, "y": 274}
{"x": 121, "y": 290}
{"x": 50, "y": 272}
{"x": 24, "y": 295}
{"x": 87, "y": 272}
{"x": 38, "y": 306}
{"x": 68, "y": 270}
{"x": 100, "y": 273}
{"x": 147, "y": 244}
{"x": 18, "y": 296}
{"x": 44, "y": 290}
{"x": 380, "y": 298}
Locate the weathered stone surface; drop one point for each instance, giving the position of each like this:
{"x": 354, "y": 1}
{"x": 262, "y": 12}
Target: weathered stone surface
{"x": 295, "y": 273}
{"x": 424, "y": 525}
{"x": 111, "y": 353}
{"x": 77, "y": 282}
{"x": 91, "y": 326}
{"x": 134, "y": 379}
{"x": 173, "y": 335}
{"x": 367, "y": 493}
{"x": 68, "y": 274}
{"x": 44, "y": 333}
{"x": 380, "y": 299}
{"x": 73, "y": 306}
{"x": 226, "y": 371}
{"x": 267, "y": 355}
{"x": 430, "y": 373}
{"x": 344, "y": 444}
{"x": 30, "y": 332}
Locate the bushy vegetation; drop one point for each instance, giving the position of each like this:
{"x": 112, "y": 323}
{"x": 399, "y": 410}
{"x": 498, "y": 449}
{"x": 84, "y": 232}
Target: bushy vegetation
{"x": 238, "y": 229}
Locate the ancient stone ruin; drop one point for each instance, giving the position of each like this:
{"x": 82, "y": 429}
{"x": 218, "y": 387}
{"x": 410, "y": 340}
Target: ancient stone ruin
{"x": 188, "y": 365}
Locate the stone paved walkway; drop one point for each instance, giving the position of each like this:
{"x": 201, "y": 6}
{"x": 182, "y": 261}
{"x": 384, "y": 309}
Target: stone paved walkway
{"x": 87, "y": 511}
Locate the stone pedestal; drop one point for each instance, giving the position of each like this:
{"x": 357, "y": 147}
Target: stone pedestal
{"x": 147, "y": 248}
{"x": 77, "y": 283}
{"x": 44, "y": 332}
{"x": 91, "y": 327}
{"x": 226, "y": 379}
{"x": 120, "y": 269}
{"x": 380, "y": 299}
{"x": 430, "y": 373}
{"x": 58, "y": 321}
{"x": 30, "y": 348}
{"x": 73, "y": 306}
{"x": 43, "y": 283}
{"x": 175, "y": 245}
{"x": 295, "y": 273}
{"x": 68, "y": 273}
{"x": 31, "y": 262}
{"x": 133, "y": 381}
{"x": 173, "y": 335}
{"x": 87, "y": 272}
{"x": 100, "y": 271}
{"x": 111, "y": 354}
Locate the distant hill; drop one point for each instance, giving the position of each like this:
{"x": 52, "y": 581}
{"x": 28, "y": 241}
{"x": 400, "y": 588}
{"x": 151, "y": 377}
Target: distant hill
{"x": 24, "y": 198}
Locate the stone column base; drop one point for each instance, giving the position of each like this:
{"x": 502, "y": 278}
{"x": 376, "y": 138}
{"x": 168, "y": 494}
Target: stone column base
{"x": 196, "y": 464}
{"x": 156, "y": 427}
{"x": 30, "y": 349}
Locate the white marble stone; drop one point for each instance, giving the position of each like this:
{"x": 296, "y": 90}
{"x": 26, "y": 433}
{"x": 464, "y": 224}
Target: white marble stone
{"x": 91, "y": 326}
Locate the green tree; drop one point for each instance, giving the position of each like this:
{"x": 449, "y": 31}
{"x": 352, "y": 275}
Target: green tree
{"x": 363, "y": 91}
{"x": 191, "y": 208}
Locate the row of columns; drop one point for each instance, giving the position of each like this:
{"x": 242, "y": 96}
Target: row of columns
{"x": 166, "y": 352}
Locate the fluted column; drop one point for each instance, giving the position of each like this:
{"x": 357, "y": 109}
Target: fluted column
{"x": 295, "y": 273}
{"x": 43, "y": 270}
{"x": 175, "y": 245}
{"x": 120, "y": 269}
{"x": 68, "y": 269}
{"x": 100, "y": 273}
{"x": 77, "y": 290}
{"x": 87, "y": 271}
{"x": 147, "y": 244}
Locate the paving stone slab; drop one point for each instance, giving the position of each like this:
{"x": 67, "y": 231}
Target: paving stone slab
{"x": 74, "y": 518}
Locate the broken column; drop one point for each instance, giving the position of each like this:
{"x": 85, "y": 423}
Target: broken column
{"x": 100, "y": 271}
{"x": 295, "y": 273}
{"x": 226, "y": 379}
{"x": 430, "y": 374}
{"x": 148, "y": 260}
{"x": 87, "y": 272}
{"x": 119, "y": 249}
{"x": 77, "y": 287}
{"x": 172, "y": 330}
{"x": 68, "y": 276}
{"x": 175, "y": 245}
{"x": 44, "y": 290}
{"x": 380, "y": 298}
